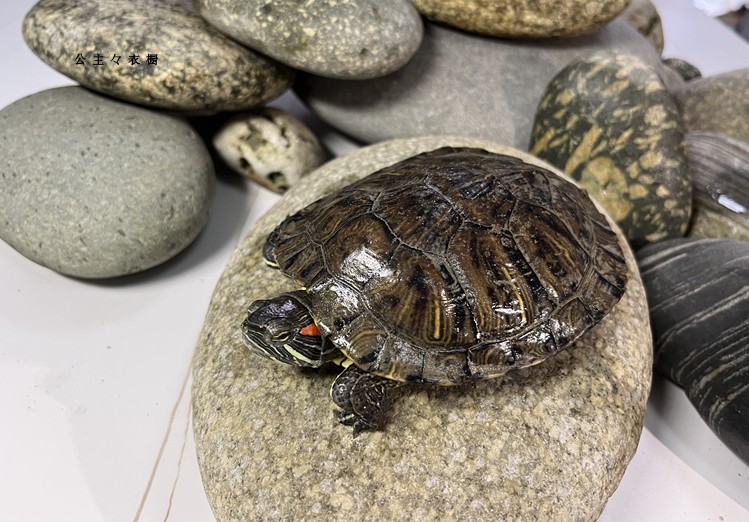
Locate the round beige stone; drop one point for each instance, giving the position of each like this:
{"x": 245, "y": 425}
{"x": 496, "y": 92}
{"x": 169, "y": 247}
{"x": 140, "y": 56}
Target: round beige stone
{"x": 523, "y": 18}
{"x": 549, "y": 442}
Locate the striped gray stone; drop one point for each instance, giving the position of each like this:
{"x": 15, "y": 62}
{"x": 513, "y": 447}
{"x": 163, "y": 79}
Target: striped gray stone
{"x": 698, "y": 293}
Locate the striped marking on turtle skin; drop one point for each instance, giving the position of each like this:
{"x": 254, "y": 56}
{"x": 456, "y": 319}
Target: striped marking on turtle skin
{"x": 500, "y": 297}
{"x": 275, "y": 353}
{"x": 298, "y": 355}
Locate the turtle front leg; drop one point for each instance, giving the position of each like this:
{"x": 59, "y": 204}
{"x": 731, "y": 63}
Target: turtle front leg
{"x": 364, "y": 399}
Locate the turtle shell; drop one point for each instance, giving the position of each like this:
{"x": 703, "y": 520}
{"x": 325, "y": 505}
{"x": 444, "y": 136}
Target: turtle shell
{"x": 453, "y": 265}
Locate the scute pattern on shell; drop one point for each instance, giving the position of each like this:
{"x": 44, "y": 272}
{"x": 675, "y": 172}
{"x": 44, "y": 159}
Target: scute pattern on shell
{"x": 453, "y": 265}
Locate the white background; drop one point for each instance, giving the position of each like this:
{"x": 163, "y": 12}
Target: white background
{"x": 95, "y": 376}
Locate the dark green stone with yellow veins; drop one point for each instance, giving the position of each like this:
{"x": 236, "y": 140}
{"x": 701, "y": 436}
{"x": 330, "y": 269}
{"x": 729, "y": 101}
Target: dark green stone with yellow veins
{"x": 608, "y": 121}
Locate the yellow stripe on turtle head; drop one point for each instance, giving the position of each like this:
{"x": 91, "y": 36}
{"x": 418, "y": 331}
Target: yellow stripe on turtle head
{"x": 270, "y": 263}
{"x": 299, "y": 356}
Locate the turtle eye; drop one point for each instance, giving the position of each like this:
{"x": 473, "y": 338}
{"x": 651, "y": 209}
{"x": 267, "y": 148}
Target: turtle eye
{"x": 282, "y": 337}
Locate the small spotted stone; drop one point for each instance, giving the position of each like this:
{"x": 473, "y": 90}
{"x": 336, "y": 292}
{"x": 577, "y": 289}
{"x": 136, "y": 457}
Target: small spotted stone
{"x": 152, "y": 52}
{"x": 608, "y": 121}
{"x": 523, "y": 18}
{"x": 717, "y": 104}
{"x": 270, "y": 147}
{"x": 352, "y": 39}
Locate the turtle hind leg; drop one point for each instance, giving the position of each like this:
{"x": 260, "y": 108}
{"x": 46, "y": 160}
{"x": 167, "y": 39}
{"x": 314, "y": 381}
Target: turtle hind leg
{"x": 364, "y": 399}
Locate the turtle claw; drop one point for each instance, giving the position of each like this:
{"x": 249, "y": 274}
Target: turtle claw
{"x": 363, "y": 399}
{"x": 350, "y": 419}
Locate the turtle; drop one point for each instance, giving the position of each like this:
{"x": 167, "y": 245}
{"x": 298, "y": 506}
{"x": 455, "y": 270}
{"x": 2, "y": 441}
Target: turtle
{"x": 448, "y": 267}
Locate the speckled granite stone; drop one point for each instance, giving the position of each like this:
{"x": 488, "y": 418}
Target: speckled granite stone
{"x": 269, "y": 146}
{"x": 698, "y": 294}
{"x": 334, "y": 38}
{"x": 642, "y": 15}
{"x": 196, "y": 66}
{"x": 549, "y": 442}
{"x": 95, "y": 187}
{"x": 720, "y": 175}
{"x": 523, "y": 18}
{"x": 717, "y": 104}
{"x": 608, "y": 121}
{"x": 460, "y": 84}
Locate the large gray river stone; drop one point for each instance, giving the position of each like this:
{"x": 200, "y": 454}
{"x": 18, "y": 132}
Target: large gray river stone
{"x": 94, "y": 187}
{"x": 550, "y": 442}
{"x": 462, "y": 84}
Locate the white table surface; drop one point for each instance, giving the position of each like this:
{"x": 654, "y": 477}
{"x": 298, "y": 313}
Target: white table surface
{"x": 95, "y": 376}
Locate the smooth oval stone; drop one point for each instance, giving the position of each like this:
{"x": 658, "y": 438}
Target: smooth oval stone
{"x": 93, "y": 187}
{"x": 698, "y": 293}
{"x": 643, "y": 16}
{"x": 608, "y": 121}
{"x": 550, "y": 442}
{"x": 460, "y": 84}
{"x": 720, "y": 174}
{"x": 196, "y": 67}
{"x": 338, "y": 39}
{"x": 717, "y": 104}
{"x": 523, "y": 18}
{"x": 269, "y": 146}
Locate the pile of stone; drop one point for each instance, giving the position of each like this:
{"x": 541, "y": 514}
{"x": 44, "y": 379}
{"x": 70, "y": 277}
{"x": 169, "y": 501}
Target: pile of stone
{"x": 109, "y": 178}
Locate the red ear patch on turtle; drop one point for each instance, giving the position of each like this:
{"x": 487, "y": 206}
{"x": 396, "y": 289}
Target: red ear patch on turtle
{"x": 311, "y": 330}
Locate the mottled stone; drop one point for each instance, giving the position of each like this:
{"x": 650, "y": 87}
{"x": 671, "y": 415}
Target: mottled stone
{"x": 523, "y": 18}
{"x": 269, "y": 146}
{"x": 94, "y": 187}
{"x": 720, "y": 175}
{"x": 196, "y": 67}
{"x": 608, "y": 121}
{"x": 549, "y": 442}
{"x": 333, "y": 38}
{"x": 717, "y": 104}
{"x": 683, "y": 68}
{"x": 460, "y": 84}
{"x": 643, "y": 16}
{"x": 698, "y": 293}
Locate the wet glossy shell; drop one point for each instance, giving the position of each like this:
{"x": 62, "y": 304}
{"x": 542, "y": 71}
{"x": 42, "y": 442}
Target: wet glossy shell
{"x": 453, "y": 265}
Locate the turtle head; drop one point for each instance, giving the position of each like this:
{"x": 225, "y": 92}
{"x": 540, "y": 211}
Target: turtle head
{"x": 283, "y": 329}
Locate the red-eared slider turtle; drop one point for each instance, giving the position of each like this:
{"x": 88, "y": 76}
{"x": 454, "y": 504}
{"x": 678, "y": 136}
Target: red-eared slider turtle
{"x": 450, "y": 266}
